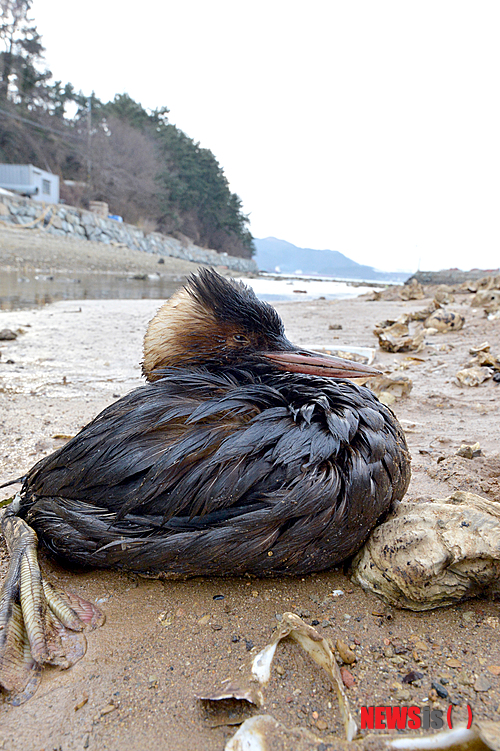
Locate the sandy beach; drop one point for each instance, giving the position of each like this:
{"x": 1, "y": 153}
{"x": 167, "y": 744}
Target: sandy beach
{"x": 163, "y": 644}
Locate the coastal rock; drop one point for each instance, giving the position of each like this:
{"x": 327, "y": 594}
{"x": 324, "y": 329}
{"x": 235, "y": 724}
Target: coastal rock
{"x": 444, "y": 320}
{"x": 433, "y": 553}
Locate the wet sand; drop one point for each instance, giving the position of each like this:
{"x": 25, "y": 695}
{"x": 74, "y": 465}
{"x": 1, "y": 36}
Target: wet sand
{"x": 165, "y": 643}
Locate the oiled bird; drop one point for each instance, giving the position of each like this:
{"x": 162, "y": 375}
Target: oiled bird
{"x": 242, "y": 453}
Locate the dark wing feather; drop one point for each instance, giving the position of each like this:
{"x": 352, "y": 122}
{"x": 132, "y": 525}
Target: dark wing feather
{"x": 201, "y": 473}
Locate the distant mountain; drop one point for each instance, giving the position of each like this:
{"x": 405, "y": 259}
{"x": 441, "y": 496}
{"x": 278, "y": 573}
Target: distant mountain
{"x": 280, "y": 256}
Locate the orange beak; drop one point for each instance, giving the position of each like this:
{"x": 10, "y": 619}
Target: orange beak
{"x": 314, "y": 363}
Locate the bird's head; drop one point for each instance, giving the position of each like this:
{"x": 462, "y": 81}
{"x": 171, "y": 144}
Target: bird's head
{"x": 216, "y": 322}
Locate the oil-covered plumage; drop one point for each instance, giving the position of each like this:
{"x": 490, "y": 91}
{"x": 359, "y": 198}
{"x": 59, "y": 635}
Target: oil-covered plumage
{"x": 224, "y": 462}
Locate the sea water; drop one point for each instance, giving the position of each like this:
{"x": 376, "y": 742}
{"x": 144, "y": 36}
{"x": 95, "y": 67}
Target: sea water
{"x": 27, "y": 289}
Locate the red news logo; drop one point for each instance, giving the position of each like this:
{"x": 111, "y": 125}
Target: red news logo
{"x": 407, "y": 718}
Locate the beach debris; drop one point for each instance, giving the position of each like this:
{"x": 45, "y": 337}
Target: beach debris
{"x": 423, "y": 313}
{"x": 394, "y": 336}
{"x": 390, "y": 388}
{"x": 484, "y": 347}
{"x": 433, "y": 553}
{"x": 7, "y": 335}
{"x": 248, "y": 688}
{"x": 472, "y": 376}
{"x": 488, "y": 299}
{"x": 265, "y": 733}
{"x": 412, "y": 291}
{"x": 483, "y": 358}
{"x": 444, "y": 295}
{"x": 491, "y": 281}
{"x": 469, "y": 451}
{"x": 391, "y": 293}
{"x": 444, "y": 321}
{"x": 487, "y": 360}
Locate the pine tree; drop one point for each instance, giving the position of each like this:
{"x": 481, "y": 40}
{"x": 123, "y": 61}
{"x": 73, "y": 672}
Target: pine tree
{"x": 146, "y": 168}
{"x": 21, "y": 55}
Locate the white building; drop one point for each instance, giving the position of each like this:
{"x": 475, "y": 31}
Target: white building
{"x": 27, "y": 180}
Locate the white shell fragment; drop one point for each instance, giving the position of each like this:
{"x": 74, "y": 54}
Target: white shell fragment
{"x": 388, "y": 389}
{"x": 473, "y": 376}
{"x": 395, "y": 336}
{"x": 433, "y": 553}
{"x": 261, "y": 666}
{"x": 313, "y": 643}
{"x": 264, "y": 733}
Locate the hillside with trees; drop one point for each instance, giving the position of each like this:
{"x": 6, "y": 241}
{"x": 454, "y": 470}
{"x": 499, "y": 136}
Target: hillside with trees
{"x": 146, "y": 169}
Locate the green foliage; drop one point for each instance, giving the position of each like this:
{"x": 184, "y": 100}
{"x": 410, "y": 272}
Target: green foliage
{"x": 146, "y": 168}
{"x": 194, "y": 189}
{"x": 58, "y": 97}
{"x": 21, "y": 53}
{"x": 124, "y": 108}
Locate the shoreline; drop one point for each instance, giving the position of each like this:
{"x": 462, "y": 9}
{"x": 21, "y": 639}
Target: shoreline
{"x": 36, "y": 250}
{"x": 163, "y": 644}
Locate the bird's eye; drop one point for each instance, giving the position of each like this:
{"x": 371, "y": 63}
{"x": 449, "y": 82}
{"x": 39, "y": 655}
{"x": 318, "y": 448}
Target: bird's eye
{"x": 240, "y": 338}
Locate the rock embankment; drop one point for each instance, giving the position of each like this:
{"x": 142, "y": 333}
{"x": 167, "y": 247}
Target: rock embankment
{"x": 69, "y": 221}
{"x": 449, "y": 276}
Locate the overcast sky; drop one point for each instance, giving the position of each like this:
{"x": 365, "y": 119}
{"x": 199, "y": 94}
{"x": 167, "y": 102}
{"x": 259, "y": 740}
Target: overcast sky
{"x": 371, "y": 127}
